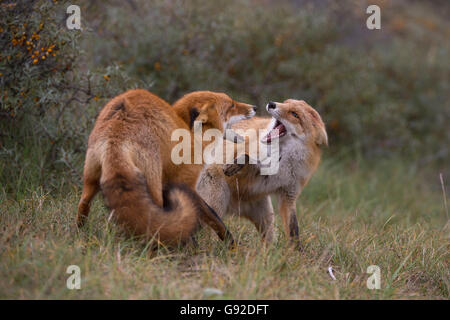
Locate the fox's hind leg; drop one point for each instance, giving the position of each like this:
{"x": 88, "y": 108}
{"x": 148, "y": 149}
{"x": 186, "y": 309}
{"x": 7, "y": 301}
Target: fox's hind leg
{"x": 213, "y": 188}
{"x": 288, "y": 213}
{"x": 261, "y": 214}
{"x": 91, "y": 185}
{"x": 214, "y": 191}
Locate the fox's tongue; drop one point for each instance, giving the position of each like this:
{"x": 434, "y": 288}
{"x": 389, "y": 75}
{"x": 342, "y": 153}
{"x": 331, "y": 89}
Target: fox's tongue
{"x": 276, "y": 132}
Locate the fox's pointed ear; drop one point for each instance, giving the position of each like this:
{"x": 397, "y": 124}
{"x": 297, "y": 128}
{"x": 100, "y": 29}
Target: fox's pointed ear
{"x": 199, "y": 114}
{"x": 206, "y": 107}
{"x": 203, "y": 113}
{"x": 322, "y": 137}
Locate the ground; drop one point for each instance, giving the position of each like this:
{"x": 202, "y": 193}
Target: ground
{"x": 352, "y": 215}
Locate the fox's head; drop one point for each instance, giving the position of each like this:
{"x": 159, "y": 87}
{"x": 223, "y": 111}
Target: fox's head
{"x": 213, "y": 109}
{"x": 295, "y": 119}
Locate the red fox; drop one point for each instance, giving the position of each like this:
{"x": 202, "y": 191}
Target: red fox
{"x": 129, "y": 160}
{"x": 301, "y": 134}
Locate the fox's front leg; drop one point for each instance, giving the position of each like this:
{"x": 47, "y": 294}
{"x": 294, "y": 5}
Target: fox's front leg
{"x": 288, "y": 213}
{"x": 230, "y": 169}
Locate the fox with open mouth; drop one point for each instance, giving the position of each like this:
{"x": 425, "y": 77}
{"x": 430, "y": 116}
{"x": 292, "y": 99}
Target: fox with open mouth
{"x": 240, "y": 189}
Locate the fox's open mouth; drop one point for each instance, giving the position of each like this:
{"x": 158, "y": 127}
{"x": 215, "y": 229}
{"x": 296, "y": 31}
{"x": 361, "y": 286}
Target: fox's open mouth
{"x": 278, "y": 131}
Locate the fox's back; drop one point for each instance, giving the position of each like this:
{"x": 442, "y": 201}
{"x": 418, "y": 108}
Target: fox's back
{"x": 136, "y": 115}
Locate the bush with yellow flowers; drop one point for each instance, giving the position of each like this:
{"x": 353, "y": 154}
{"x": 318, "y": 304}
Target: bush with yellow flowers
{"x": 384, "y": 92}
{"x": 33, "y": 58}
{"x": 48, "y": 101}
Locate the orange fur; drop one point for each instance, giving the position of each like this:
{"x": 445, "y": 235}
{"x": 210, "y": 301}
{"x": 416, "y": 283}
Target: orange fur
{"x": 129, "y": 159}
{"x": 242, "y": 189}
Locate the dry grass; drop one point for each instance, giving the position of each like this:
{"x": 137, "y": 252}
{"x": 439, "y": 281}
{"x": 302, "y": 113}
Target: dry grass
{"x": 351, "y": 216}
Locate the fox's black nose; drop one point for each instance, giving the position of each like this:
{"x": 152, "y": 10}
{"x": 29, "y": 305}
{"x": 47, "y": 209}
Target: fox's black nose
{"x": 271, "y": 105}
{"x": 254, "y": 108}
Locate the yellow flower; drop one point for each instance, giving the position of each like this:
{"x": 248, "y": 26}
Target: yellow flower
{"x": 278, "y": 40}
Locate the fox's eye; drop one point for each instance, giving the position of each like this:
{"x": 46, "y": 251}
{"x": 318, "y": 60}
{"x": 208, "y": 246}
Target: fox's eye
{"x": 295, "y": 114}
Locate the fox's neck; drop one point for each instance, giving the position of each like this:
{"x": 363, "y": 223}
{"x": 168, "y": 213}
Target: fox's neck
{"x": 294, "y": 155}
{"x": 198, "y": 141}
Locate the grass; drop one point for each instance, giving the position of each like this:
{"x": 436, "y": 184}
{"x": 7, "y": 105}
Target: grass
{"x": 352, "y": 215}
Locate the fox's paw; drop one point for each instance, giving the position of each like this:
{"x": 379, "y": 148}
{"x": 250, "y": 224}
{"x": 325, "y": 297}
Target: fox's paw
{"x": 80, "y": 221}
{"x": 233, "y": 168}
{"x": 296, "y": 244}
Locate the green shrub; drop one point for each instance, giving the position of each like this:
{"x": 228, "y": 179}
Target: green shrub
{"x": 388, "y": 93}
{"x": 382, "y": 92}
{"x": 48, "y": 101}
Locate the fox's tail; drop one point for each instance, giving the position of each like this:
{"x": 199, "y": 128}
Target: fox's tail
{"x": 127, "y": 194}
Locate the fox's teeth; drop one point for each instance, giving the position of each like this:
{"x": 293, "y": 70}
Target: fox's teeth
{"x": 278, "y": 131}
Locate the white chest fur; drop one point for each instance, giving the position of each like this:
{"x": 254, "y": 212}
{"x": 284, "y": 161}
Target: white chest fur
{"x": 293, "y": 168}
